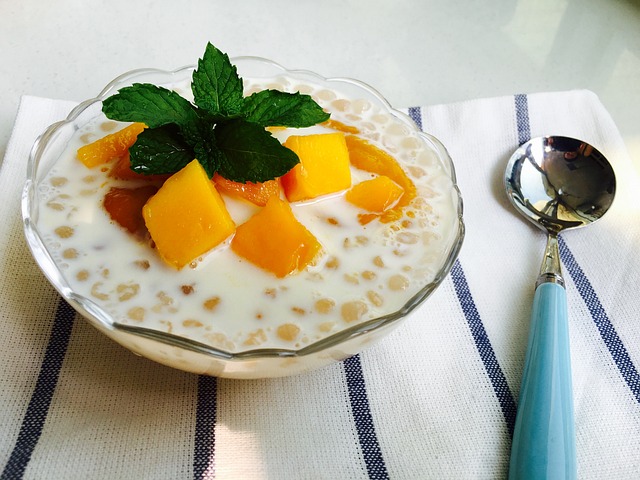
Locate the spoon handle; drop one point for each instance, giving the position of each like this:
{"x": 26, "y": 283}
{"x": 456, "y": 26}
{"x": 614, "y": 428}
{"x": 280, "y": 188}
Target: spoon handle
{"x": 544, "y": 437}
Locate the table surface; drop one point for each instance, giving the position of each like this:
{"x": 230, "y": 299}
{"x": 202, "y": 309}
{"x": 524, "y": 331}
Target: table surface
{"x": 415, "y": 52}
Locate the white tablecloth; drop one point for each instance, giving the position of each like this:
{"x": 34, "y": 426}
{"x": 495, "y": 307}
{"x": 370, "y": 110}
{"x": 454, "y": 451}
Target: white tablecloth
{"x": 436, "y": 399}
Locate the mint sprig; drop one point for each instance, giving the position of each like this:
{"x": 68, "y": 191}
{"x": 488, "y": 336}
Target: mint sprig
{"x": 223, "y": 129}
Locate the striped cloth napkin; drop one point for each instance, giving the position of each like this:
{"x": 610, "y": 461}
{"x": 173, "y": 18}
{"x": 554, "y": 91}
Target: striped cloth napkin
{"x": 436, "y": 399}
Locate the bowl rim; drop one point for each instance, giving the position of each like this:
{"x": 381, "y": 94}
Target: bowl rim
{"x": 94, "y": 313}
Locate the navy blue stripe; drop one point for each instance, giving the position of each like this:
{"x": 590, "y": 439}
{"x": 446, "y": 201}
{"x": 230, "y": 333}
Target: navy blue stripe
{"x": 206, "y": 410}
{"x": 605, "y": 327}
{"x": 481, "y": 339}
{"x": 373, "y": 459}
{"x": 38, "y": 407}
{"x": 522, "y": 118}
{"x": 414, "y": 113}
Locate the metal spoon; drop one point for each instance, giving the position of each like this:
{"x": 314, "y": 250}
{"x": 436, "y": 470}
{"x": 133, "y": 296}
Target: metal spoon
{"x": 558, "y": 183}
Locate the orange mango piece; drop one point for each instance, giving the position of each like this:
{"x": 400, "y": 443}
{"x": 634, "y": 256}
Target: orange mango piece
{"x": 376, "y": 195}
{"x": 339, "y": 126}
{"x": 124, "y": 206}
{"x": 368, "y": 157}
{"x": 122, "y": 171}
{"x": 323, "y": 168}
{"x": 274, "y": 240}
{"x": 187, "y": 217}
{"x": 256, "y": 193}
{"x": 107, "y": 148}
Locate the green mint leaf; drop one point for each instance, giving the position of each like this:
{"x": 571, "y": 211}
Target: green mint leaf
{"x": 208, "y": 153}
{"x": 152, "y": 105}
{"x": 251, "y": 154}
{"x": 272, "y": 108}
{"x": 216, "y": 85}
{"x": 160, "y": 150}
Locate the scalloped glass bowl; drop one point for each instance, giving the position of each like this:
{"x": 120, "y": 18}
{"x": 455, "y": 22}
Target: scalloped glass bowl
{"x": 186, "y": 353}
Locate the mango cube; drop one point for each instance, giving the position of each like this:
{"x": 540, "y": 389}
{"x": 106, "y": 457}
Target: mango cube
{"x": 114, "y": 145}
{"x": 376, "y": 195}
{"x": 275, "y": 241}
{"x": 187, "y": 217}
{"x": 323, "y": 168}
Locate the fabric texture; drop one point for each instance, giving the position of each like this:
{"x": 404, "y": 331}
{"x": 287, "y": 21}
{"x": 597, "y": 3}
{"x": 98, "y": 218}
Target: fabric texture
{"x": 435, "y": 399}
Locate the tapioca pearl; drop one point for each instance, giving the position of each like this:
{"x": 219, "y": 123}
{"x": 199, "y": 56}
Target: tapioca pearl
{"x": 390, "y": 145}
{"x": 326, "y": 95}
{"x": 398, "y": 283}
{"x": 64, "y": 232}
{"x": 303, "y": 88}
{"x": 82, "y": 275}
{"x": 87, "y": 137}
{"x": 407, "y": 238}
{"x": 327, "y": 327}
{"x": 397, "y": 129}
{"x": 353, "y": 118}
{"x": 410, "y": 143}
{"x": 108, "y": 126}
{"x": 288, "y": 332}
{"x": 333, "y": 263}
{"x": 136, "y": 314}
{"x": 353, "y": 311}
{"x": 55, "y": 205}
{"x": 220, "y": 340}
{"x": 192, "y": 323}
{"x": 401, "y": 252}
{"x": 427, "y": 159}
{"x": 314, "y": 277}
{"x": 341, "y": 105}
{"x": 70, "y": 253}
{"x": 360, "y": 106}
{"x": 380, "y": 118}
{"x": 142, "y": 264}
{"x": 368, "y": 275}
{"x": 95, "y": 291}
{"x": 351, "y": 278}
{"x": 378, "y": 261}
{"x": 89, "y": 179}
{"x": 375, "y": 298}
{"x": 416, "y": 172}
{"x": 211, "y": 303}
{"x": 368, "y": 127}
{"x": 88, "y": 192}
{"x": 58, "y": 181}
{"x": 255, "y": 338}
{"x": 324, "y": 305}
{"x": 127, "y": 291}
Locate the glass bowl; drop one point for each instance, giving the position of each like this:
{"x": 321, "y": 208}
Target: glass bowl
{"x": 194, "y": 354}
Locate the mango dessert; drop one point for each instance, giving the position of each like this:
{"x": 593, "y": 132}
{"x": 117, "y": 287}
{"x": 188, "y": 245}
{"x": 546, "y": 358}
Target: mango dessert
{"x": 275, "y": 218}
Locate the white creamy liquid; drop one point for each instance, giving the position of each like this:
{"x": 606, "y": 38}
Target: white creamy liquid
{"x": 223, "y": 300}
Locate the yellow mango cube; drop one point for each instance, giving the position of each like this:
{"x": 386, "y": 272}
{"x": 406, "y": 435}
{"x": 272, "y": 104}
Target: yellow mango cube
{"x": 376, "y": 195}
{"x": 274, "y": 240}
{"x": 323, "y": 168}
{"x": 187, "y": 216}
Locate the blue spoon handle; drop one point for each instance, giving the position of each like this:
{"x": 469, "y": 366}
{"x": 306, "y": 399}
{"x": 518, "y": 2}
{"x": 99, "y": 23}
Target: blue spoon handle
{"x": 543, "y": 444}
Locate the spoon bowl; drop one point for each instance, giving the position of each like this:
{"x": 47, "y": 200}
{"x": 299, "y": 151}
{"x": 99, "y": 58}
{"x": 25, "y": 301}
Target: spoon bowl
{"x": 558, "y": 183}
